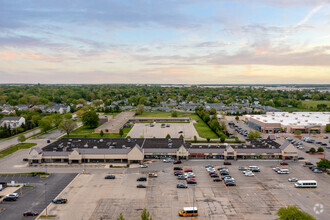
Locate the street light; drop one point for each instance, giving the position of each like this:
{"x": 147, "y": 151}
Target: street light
{"x": 193, "y": 202}
{"x": 46, "y": 200}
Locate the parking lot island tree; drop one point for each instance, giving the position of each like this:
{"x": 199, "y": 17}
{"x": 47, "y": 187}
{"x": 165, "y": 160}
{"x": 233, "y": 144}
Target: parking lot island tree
{"x": 297, "y": 132}
{"x": 21, "y": 138}
{"x": 327, "y": 128}
{"x": 312, "y": 150}
{"x": 320, "y": 149}
{"x": 323, "y": 164}
{"x": 90, "y": 119}
{"x": 292, "y": 212}
{"x": 174, "y": 114}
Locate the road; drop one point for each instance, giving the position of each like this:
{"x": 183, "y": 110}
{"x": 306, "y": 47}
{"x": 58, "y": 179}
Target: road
{"x": 13, "y": 141}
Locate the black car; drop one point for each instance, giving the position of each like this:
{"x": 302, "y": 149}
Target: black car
{"x": 178, "y": 173}
{"x": 222, "y": 168}
{"x": 25, "y": 159}
{"x": 141, "y": 179}
{"x": 181, "y": 185}
{"x": 141, "y": 186}
{"x": 59, "y": 201}
{"x": 301, "y": 158}
{"x": 319, "y": 142}
{"x": 110, "y": 177}
{"x": 177, "y": 162}
{"x": 10, "y": 199}
{"x": 224, "y": 173}
{"x": 307, "y": 151}
{"x": 214, "y": 175}
{"x": 308, "y": 163}
{"x": 230, "y": 183}
{"x": 324, "y": 144}
{"x": 191, "y": 182}
{"x": 177, "y": 168}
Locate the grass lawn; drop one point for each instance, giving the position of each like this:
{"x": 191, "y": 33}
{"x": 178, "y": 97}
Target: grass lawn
{"x": 305, "y": 106}
{"x": 293, "y": 109}
{"x": 83, "y": 131}
{"x": 311, "y": 103}
{"x": 202, "y": 129}
{"x": 15, "y": 148}
{"x": 113, "y": 114}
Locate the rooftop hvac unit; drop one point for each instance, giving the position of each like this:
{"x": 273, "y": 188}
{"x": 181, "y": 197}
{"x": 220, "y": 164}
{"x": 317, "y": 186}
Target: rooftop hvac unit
{"x": 281, "y": 120}
{"x": 86, "y": 145}
{"x": 95, "y": 147}
{"x": 208, "y": 146}
{"x": 218, "y": 146}
{"x": 265, "y": 120}
{"x": 101, "y": 140}
{"x": 79, "y": 140}
{"x": 200, "y": 146}
{"x": 70, "y": 139}
{"x": 306, "y": 120}
{"x": 298, "y": 122}
{"x": 296, "y": 118}
{"x": 253, "y": 146}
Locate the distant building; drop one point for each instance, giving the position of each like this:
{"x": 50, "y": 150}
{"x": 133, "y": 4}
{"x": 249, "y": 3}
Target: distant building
{"x": 59, "y": 109}
{"x": 12, "y": 122}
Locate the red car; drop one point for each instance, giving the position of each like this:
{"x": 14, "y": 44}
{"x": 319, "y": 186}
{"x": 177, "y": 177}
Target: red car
{"x": 177, "y": 162}
{"x": 210, "y": 173}
{"x": 284, "y": 163}
{"x": 216, "y": 180}
{"x": 191, "y": 179}
{"x": 188, "y": 170}
{"x": 226, "y": 163}
{"x": 30, "y": 213}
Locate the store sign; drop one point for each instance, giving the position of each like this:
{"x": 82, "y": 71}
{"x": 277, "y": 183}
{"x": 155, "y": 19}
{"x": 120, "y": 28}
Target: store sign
{"x": 270, "y": 153}
{"x": 196, "y": 153}
{"x": 247, "y": 153}
{"x": 159, "y": 153}
{"x": 230, "y": 152}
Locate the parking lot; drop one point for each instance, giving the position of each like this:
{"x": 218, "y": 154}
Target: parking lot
{"x": 140, "y": 129}
{"x": 32, "y": 198}
{"x": 91, "y": 196}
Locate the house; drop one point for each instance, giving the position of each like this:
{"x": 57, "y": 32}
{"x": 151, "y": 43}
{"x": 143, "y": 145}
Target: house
{"x": 22, "y": 107}
{"x": 12, "y": 122}
{"x": 59, "y": 108}
{"x": 39, "y": 107}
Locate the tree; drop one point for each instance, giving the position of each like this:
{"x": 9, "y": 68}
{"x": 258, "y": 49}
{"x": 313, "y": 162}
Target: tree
{"x": 68, "y": 116}
{"x": 45, "y": 124}
{"x": 323, "y": 164}
{"x": 67, "y": 126}
{"x": 140, "y": 109}
{"x": 101, "y": 133}
{"x": 327, "y": 128}
{"x": 57, "y": 119}
{"x": 236, "y": 139}
{"x": 257, "y": 134}
{"x": 121, "y": 132}
{"x": 236, "y": 118}
{"x": 297, "y": 132}
{"x": 145, "y": 215}
{"x": 320, "y": 149}
{"x": 121, "y": 217}
{"x": 21, "y": 138}
{"x": 174, "y": 114}
{"x": 195, "y": 138}
{"x": 292, "y": 213}
{"x": 208, "y": 139}
{"x": 90, "y": 119}
{"x": 222, "y": 138}
{"x": 168, "y": 136}
{"x": 314, "y": 132}
{"x": 312, "y": 150}
{"x": 251, "y": 134}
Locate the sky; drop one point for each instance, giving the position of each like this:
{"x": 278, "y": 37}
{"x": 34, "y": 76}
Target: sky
{"x": 165, "y": 41}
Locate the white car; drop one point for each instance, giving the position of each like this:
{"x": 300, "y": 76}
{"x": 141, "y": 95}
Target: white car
{"x": 249, "y": 174}
{"x": 12, "y": 195}
{"x": 166, "y": 161}
{"x": 143, "y": 165}
{"x": 190, "y": 175}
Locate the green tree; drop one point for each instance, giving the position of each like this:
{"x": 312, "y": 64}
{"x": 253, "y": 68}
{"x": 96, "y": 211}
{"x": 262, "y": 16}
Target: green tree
{"x": 312, "y": 150}
{"x": 222, "y": 138}
{"x": 251, "y": 135}
{"x": 145, "y": 215}
{"x": 140, "y": 109}
{"x": 174, "y": 114}
{"x": 236, "y": 139}
{"x": 327, "y": 128}
{"x": 314, "y": 132}
{"x": 168, "y": 136}
{"x": 121, "y": 132}
{"x": 121, "y": 217}
{"x": 236, "y": 118}
{"x": 195, "y": 138}
{"x": 292, "y": 213}
{"x": 101, "y": 133}
{"x": 323, "y": 164}
{"x": 297, "y": 132}
{"x": 67, "y": 126}
{"x": 208, "y": 139}
{"x": 90, "y": 119}
{"x": 57, "y": 119}
{"x": 21, "y": 138}
{"x": 68, "y": 116}
{"x": 45, "y": 124}
{"x": 257, "y": 134}
{"x": 320, "y": 149}
{"x": 181, "y": 136}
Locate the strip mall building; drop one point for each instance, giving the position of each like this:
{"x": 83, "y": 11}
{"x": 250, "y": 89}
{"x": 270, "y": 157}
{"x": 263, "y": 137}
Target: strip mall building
{"x": 121, "y": 150}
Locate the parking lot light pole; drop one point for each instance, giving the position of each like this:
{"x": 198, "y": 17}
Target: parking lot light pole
{"x": 46, "y": 200}
{"x": 193, "y": 202}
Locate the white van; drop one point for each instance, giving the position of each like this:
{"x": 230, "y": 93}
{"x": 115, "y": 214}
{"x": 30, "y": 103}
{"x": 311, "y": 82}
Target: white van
{"x": 283, "y": 171}
{"x": 1, "y": 187}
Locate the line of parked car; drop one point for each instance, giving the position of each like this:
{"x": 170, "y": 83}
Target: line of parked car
{"x": 312, "y": 141}
{"x": 186, "y": 174}
{"x": 224, "y": 173}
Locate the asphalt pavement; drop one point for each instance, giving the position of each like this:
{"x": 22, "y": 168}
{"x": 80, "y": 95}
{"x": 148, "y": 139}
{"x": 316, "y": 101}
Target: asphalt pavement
{"x": 13, "y": 141}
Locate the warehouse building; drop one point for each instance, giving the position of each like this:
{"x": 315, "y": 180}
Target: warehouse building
{"x": 275, "y": 122}
{"x": 121, "y": 150}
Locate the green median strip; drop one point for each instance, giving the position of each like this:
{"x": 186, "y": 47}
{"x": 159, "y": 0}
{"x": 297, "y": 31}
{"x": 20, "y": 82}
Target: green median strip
{"x": 15, "y": 148}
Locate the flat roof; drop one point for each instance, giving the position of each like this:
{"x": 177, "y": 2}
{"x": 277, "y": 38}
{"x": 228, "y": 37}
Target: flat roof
{"x": 295, "y": 118}
{"x": 117, "y": 122}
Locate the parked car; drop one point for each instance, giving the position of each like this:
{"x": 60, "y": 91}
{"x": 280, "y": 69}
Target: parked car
{"x": 143, "y": 165}
{"x": 214, "y": 175}
{"x": 226, "y": 176}
{"x": 190, "y": 181}
{"x": 177, "y": 168}
{"x": 276, "y": 169}
{"x": 242, "y": 168}
{"x": 181, "y": 177}
{"x": 178, "y": 173}
{"x": 25, "y": 159}
{"x": 141, "y": 186}
{"x": 59, "y": 201}
{"x": 249, "y": 174}
{"x": 301, "y": 158}
{"x": 153, "y": 175}
{"x": 283, "y": 171}
{"x": 308, "y": 163}
{"x": 166, "y": 161}
{"x": 141, "y": 179}
{"x": 10, "y": 199}
{"x": 110, "y": 177}
{"x": 208, "y": 165}
{"x": 12, "y": 195}
{"x": 222, "y": 168}
{"x": 317, "y": 171}
{"x": 188, "y": 170}
{"x": 181, "y": 185}
{"x": 226, "y": 163}
{"x": 292, "y": 179}
{"x": 216, "y": 180}
{"x": 224, "y": 173}
{"x": 177, "y": 162}
{"x": 230, "y": 183}
{"x": 30, "y": 213}
{"x": 284, "y": 163}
